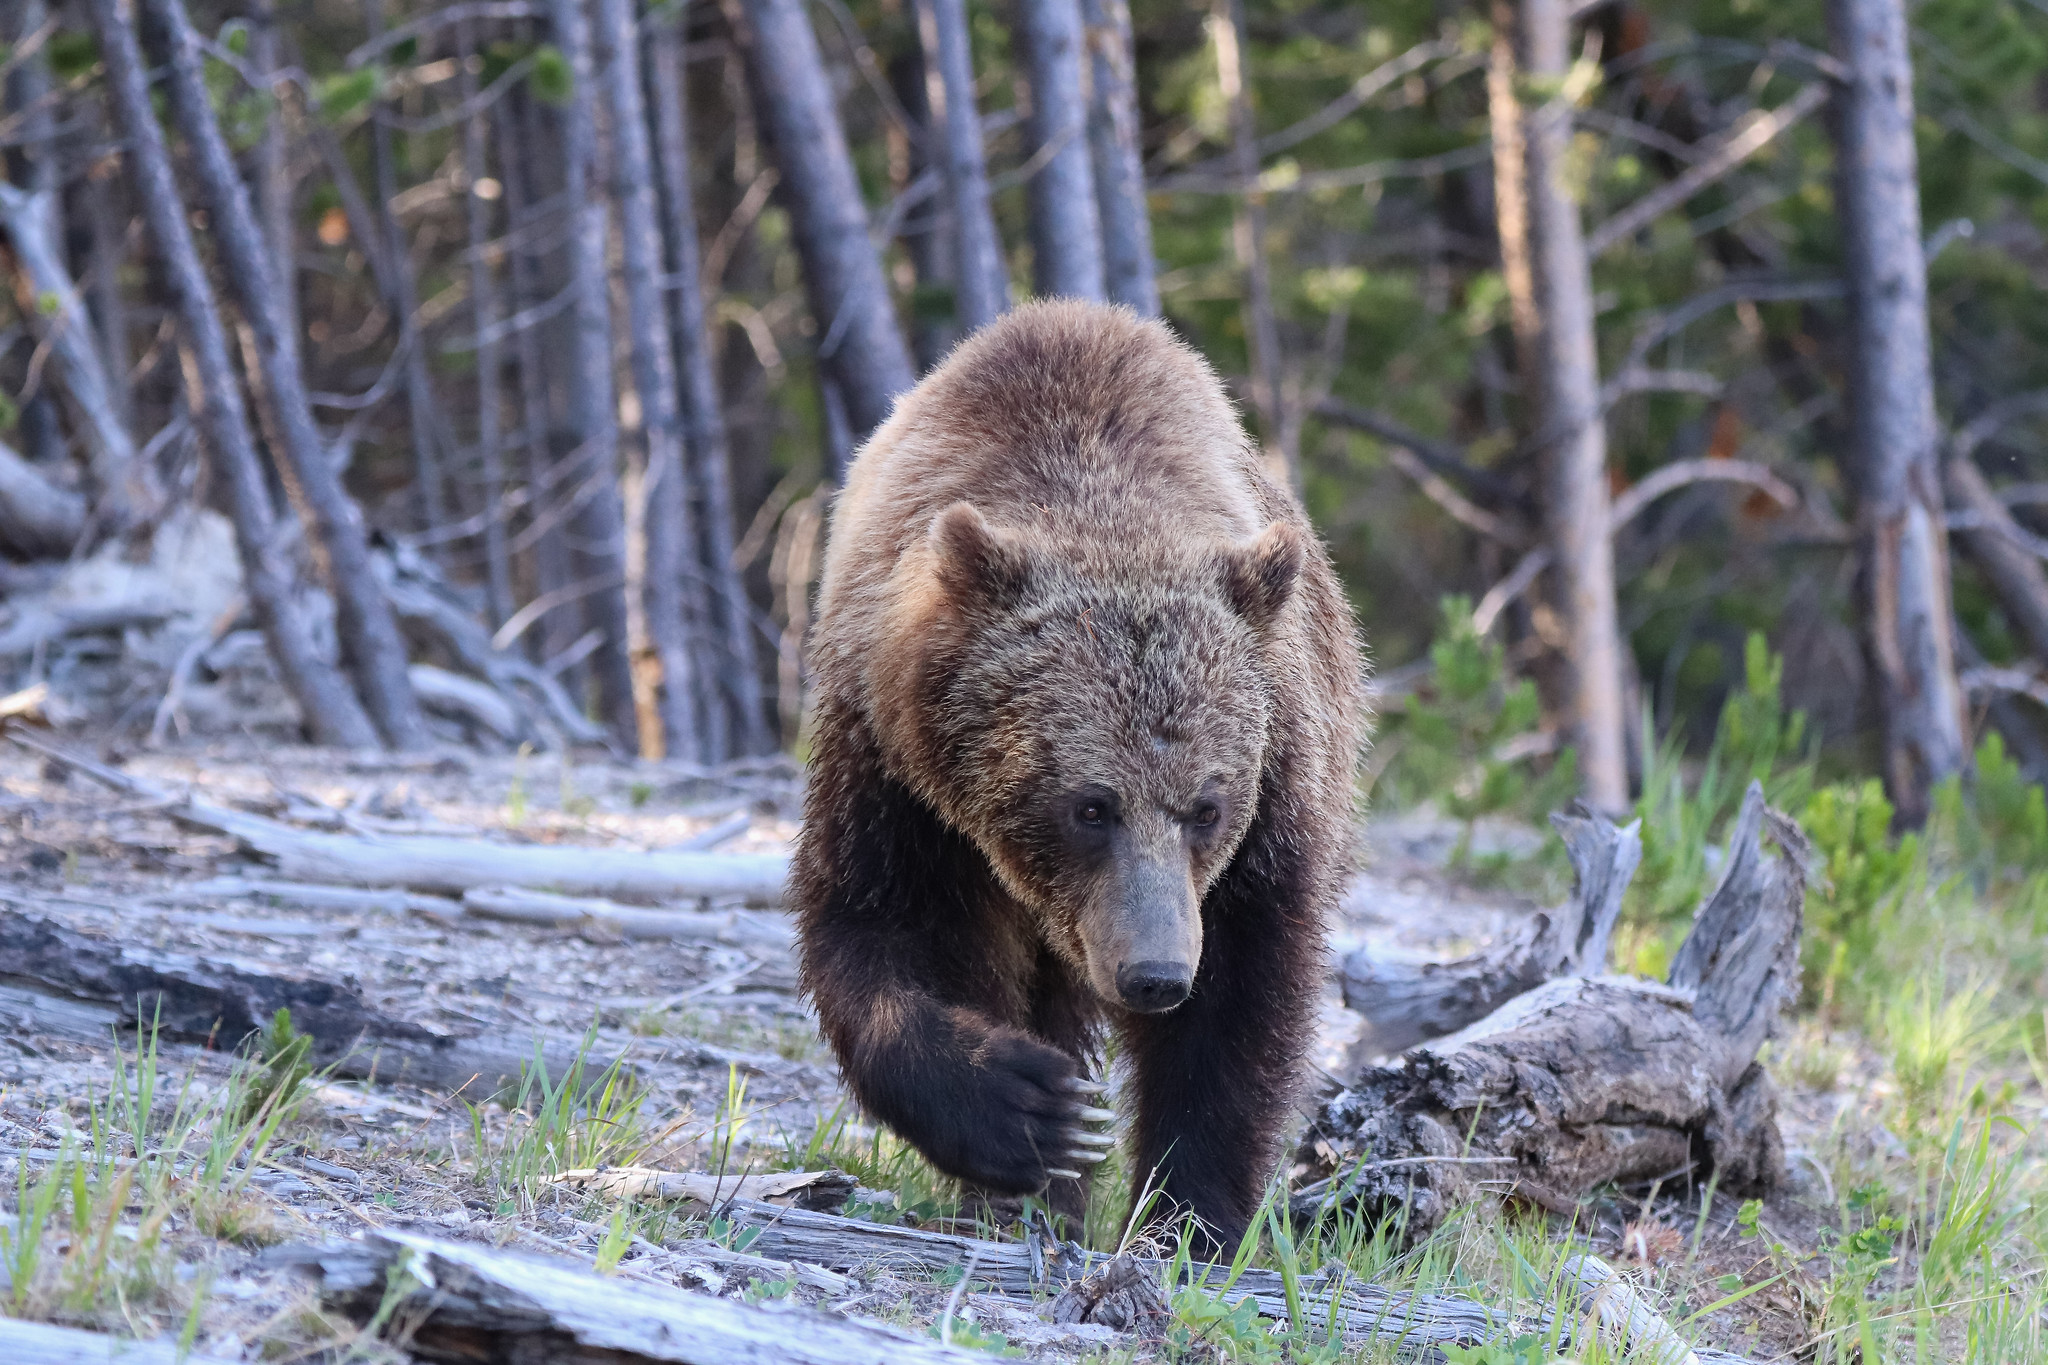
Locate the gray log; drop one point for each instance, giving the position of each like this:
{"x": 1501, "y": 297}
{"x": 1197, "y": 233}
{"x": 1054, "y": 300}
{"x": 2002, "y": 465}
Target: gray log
{"x": 198, "y": 1000}
{"x": 983, "y": 292}
{"x": 670, "y": 539}
{"x": 37, "y": 1343}
{"x": 600, "y": 551}
{"x": 1405, "y": 1003}
{"x": 1589, "y": 1081}
{"x": 1890, "y": 458}
{"x": 738, "y": 673}
{"x": 1129, "y": 274}
{"x": 1999, "y": 548}
{"x": 1066, "y": 231}
{"x": 859, "y": 341}
{"x": 371, "y": 644}
{"x": 38, "y": 518}
{"x": 475, "y": 1303}
{"x": 328, "y": 705}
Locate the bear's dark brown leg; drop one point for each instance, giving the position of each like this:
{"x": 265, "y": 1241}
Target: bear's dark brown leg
{"x": 1214, "y": 1077}
{"x": 921, "y": 967}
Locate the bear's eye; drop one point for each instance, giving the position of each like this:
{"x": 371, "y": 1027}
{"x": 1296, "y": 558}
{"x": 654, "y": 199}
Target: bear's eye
{"x": 1207, "y": 814}
{"x": 1092, "y": 813}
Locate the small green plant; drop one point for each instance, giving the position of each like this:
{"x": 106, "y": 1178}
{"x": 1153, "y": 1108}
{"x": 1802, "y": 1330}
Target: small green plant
{"x": 515, "y": 795}
{"x": 1934, "y": 1036}
{"x": 287, "y": 1065}
{"x": 640, "y": 793}
{"x": 573, "y": 1123}
{"x": 1527, "y": 1349}
{"x": 1863, "y": 867}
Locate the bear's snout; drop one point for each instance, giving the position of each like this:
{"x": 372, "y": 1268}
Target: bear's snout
{"x": 1154, "y": 987}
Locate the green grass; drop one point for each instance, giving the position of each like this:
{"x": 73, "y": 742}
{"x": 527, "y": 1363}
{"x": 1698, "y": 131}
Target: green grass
{"x": 557, "y": 1124}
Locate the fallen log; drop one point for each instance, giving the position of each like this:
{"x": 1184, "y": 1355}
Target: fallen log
{"x": 37, "y": 1343}
{"x": 1586, "y": 1081}
{"x": 37, "y": 517}
{"x": 470, "y": 1303}
{"x": 1406, "y": 1002}
{"x": 736, "y": 928}
{"x": 476, "y": 704}
{"x": 817, "y": 1191}
{"x": 91, "y": 985}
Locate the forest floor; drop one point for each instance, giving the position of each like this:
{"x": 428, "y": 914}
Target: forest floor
{"x": 732, "y": 1073}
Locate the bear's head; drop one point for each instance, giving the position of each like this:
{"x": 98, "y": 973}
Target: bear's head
{"x": 1101, "y": 724}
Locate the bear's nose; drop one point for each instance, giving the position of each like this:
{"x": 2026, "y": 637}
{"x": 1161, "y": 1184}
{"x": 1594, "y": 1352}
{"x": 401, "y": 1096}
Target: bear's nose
{"x": 1150, "y": 987}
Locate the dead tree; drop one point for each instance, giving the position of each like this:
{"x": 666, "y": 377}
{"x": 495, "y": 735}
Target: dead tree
{"x": 592, "y": 409}
{"x": 671, "y": 546}
{"x": 1066, "y": 230}
{"x": 1248, "y": 221}
{"x": 370, "y": 640}
{"x": 1128, "y": 273}
{"x": 1571, "y": 434}
{"x": 738, "y": 674}
{"x": 860, "y": 344}
{"x": 918, "y": 183}
{"x": 483, "y": 294}
{"x": 982, "y": 291}
{"x": 330, "y": 709}
{"x": 1890, "y": 461}
{"x": 1588, "y": 1080}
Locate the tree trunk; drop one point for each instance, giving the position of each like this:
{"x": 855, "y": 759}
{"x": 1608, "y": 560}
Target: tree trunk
{"x": 983, "y": 290}
{"x": 330, "y": 709}
{"x": 1066, "y": 232}
{"x": 483, "y": 294}
{"x": 1127, "y": 266}
{"x": 593, "y": 412}
{"x": 1890, "y": 463}
{"x": 1248, "y": 231}
{"x": 918, "y": 165}
{"x": 402, "y": 295}
{"x": 739, "y": 674}
{"x": 671, "y": 546}
{"x": 1572, "y": 435}
{"x": 550, "y": 548}
{"x": 370, "y": 641}
{"x": 273, "y": 167}
{"x": 859, "y": 341}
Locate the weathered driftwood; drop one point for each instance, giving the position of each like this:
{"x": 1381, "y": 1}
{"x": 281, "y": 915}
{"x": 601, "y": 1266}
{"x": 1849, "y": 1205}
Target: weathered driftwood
{"x": 1331, "y": 1298}
{"x": 1406, "y": 1002}
{"x": 818, "y": 1191}
{"x": 201, "y": 1000}
{"x": 1609, "y": 1309}
{"x": 470, "y": 1303}
{"x": 36, "y": 1343}
{"x": 453, "y": 866}
{"x": 1587, "y": 1081}
{"x": 753, "y": 929}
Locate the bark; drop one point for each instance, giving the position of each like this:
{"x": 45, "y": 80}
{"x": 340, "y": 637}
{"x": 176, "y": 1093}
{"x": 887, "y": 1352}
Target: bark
{"x": 1066, "y": 229}
{"x": 982, "y": 292}
{"x": 128, "y": 489}
{"x": 1890, "y": 460}
{"x": 550, "y": 550}
{"x": 859, "y": 343}
{"x": 592, "y": 407}
{"x": 273, "y": 167}
{"x": 370, "y": 642}
{"x": 402, "y": 294}
{"x": 35, "y": 1343}
{"x": 1584, "y": 1081}
{"x": 38, "y": 519}
{"x": 917, "y": 179}
{"x": 483, "y": 294}
{"x": 1405, "y": 1002}
{"x": 671, "y": 544}
{"x": 330, "y": 709}
{"x": 2013, "y": 570}
{"x": 1128, "y": 272}
{"x": 1248, "y": 229}
{"x": 476, "y": 1303}
{"x": 1572, "y": 433}
{"x": 222, "y": 1004}
{"x": 739, "y": 674}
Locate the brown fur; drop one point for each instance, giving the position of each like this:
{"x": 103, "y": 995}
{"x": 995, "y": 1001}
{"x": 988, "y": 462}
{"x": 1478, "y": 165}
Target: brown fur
{"x": 1060, "y": 567}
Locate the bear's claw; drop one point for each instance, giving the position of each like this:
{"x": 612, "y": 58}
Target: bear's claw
{"x": 1058, "y": 1173}
{"x": 1085, "y": 1138}
{"x": 1081, "y": 1085}
{"x": 1091, "y": 1115}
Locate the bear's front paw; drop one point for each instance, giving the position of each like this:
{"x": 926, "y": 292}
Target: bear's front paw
{"x": 1024, "y": 1123}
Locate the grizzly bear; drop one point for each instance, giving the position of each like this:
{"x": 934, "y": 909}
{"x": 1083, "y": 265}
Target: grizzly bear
{"x": 1086, "y": 724}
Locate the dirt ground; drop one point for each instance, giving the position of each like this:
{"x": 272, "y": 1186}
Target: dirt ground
{"x": 692, "y": 1017}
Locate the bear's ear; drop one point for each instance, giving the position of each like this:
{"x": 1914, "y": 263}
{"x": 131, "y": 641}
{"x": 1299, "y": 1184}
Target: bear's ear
{"x": 1259, "y": 575}
{"x": 977, "y": 562}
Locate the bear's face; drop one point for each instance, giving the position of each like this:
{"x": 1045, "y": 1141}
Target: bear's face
{"x": 1105, "y": 736}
